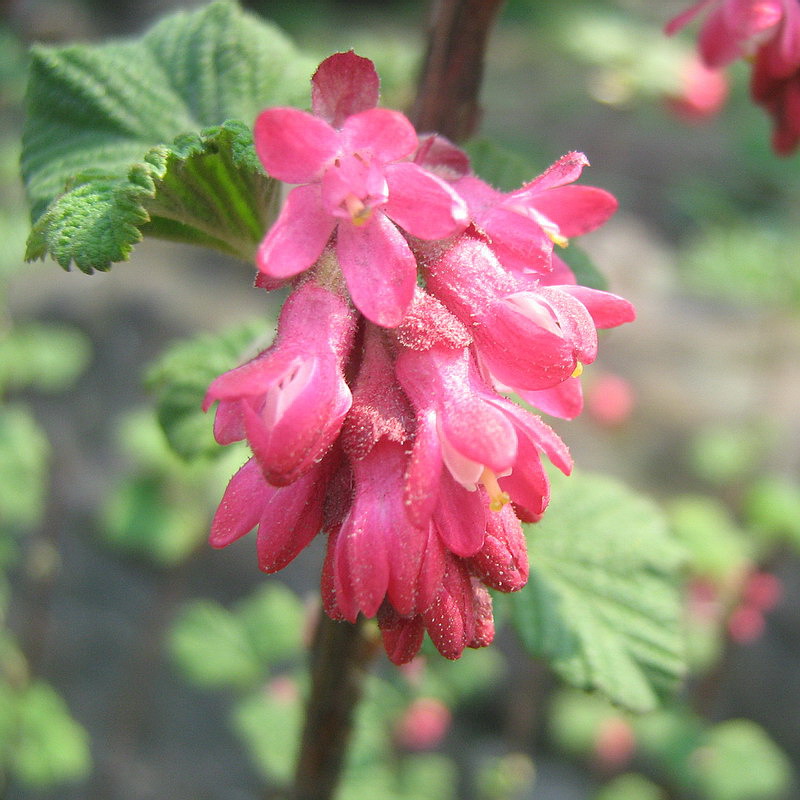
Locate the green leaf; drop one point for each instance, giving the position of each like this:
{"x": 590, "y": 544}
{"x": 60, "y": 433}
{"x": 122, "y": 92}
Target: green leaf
{"x": 152, "y": 136}
{"x": 502, "y": 168}
{"x": 772, "y": 509}
{"x": 738, "y": 761}
{"x": 51, "y": 747}
{"x": 602, "y": 604}
{"x": 181, "y": 377}
{"x": 631, "y": 786}
{"x": 44, "y": 357}
{"x": 24, "y": 451}
{"x": 269, "y": 723}
{"x": 274, "y": 618}
{"x": 211, "y": 647}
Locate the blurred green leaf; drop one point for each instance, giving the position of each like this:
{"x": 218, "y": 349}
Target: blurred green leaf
{"x": 273, "y": 618}
{"x": 142, "y": 517}
{"x": 738, "y": 761}
{"x": 211, "y": 647}
{"x": 50, "y": 746}
{"x": 602, "y": 605}
{"x": 269, "y": 723}
{"x": 24, "y": 451}
{"x": 631, "y": 787}
{"x": 153, "y": 136}
{"x": 586, "y": 273}
{"x": 722, "y": 455}
{"x": 47, "y": 358}
{"x": 717, "y": 548}
{"x": 772, "y": 509}
{"x": 575, "y": 718}
{"x": 500, "y": 167}
{"x": 181, "y": 377}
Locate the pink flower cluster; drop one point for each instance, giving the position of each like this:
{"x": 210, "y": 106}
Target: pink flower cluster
{"x": 420, "y": 297}
{"x": 767, "y": 32}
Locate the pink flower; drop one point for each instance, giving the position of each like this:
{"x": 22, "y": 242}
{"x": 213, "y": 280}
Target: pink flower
{"x": 351, "y": 160}
{"x": 288, "y": 517}
{"x": 291, "y": 399}
{"x": 780, "y": 97}
{"x": 737, "y": 28}
{"x": 523, "y": 225}
{"x": 480, "y": 437}
{"x": 528, "y": 335}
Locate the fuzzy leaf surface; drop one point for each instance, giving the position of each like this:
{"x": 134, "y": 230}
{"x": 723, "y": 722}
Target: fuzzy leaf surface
{"x": 602, "y": 605}
{"x": 153, "y": 136}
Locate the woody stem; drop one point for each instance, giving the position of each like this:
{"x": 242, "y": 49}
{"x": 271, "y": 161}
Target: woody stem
{"x": 447, "y": 93}
{"x": 340, "y": 655}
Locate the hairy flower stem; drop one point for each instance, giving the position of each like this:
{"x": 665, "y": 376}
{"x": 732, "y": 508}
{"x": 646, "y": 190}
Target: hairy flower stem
{"x": 447, "y": 94}
{"x": 340, "y": 655}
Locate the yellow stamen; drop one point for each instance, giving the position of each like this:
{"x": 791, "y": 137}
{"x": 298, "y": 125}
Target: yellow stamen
{"x": 497, "y": 497}
{"x": 578, "y": 371}
{"x": 556, "y": 238}
{"x": 359, "y": 213}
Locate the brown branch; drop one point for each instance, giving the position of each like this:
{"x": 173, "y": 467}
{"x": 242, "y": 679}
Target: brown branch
{"x": 447, "y": 94}
{"x": 339, "y": 659}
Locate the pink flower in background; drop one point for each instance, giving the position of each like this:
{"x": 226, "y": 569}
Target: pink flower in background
{"x": 376, "y": 417}
{"x": 702, "y": 91}
{"x": 356, "y": 180}
{"x": 768, "y": 33}
{"x": 737, "y": 28}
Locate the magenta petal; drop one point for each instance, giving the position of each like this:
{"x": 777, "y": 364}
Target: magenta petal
{"x": 293, "y": 145}
{"x": 299, "y": 235}
{"x": 423, "y": 471}
{"x": 344, "y": 84}
{"x": 607, "y": 310}
{"x": 290, "y": 519}
{"x": 423, "y": 204}
{"x": 228, "y": 422}
{"x": 564, "y": 400}
{"x": 519, "y": 242}
{"x": 527, "y": 485}
{"x": 567, "y": 169}
{"x": 576, "y": 209}
{"x": 502, "y": 562}
{"x": 402, "y": 636}
{"x": 384, "y": 134}
{"x": 460, "y": 518}
{"x": 379, "y": 269}
{"x": 240, "y": 508}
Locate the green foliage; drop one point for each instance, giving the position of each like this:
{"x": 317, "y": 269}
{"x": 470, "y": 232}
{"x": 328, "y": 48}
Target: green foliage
{"x": 45, "y": 357}
{"x": 602, "y": 603}
{"x": 44, "y": 744}
{"x": 215, "y": 647}
{"x": 269, "y": 722}
{"x": 772, "y": 509}
{"x": 716, "y": 547}
{"x": 24, "y": 453}
{"x": 750, "y": 264}
{"x": 152, "y": 136}
{"x": 504, "y": 169}
{"x": 631, "y": 787}
{"x": 182, "y": 375}
{"x": 161, "y": 509}
{"x": 723, "y": 454}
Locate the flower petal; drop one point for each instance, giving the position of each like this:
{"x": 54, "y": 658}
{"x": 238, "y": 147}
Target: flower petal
{"x": 240, "y": 508}
{"x": 576, "y": 209}
{"x": 344, "y": 84}
{"x": 567, "y": 169}
{"x": 564, "y": 400}
{"x": 423, "y": 204}
{"x": 381, "y": 133}
{"x": 379, "y": 269}
{"x": 460, "y": 518}
{"x": 607, "y": 310}
{"x": 299, "y": 235}
{"x": 293, "y": 145}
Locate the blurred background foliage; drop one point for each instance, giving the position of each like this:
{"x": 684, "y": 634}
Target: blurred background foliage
{"x": 136, "y": 663}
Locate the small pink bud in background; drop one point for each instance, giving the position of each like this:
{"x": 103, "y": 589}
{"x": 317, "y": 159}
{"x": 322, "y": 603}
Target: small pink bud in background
{"x": 745, "y": 624}
{"x": 609, "y": 400}
{"x": 762, "y": 590}
{"x": 702, "y": 91}
{"x": 614, "y": 743}
{"x": 423, "y": 725}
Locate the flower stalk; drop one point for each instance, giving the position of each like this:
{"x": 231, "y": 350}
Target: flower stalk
{"x": 340, "y": 657}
